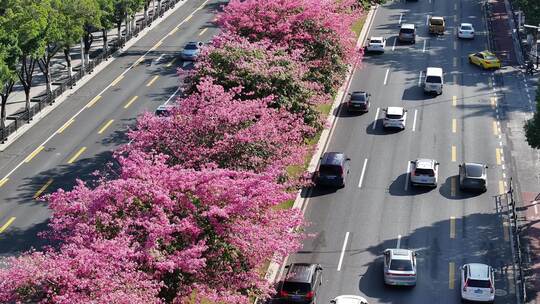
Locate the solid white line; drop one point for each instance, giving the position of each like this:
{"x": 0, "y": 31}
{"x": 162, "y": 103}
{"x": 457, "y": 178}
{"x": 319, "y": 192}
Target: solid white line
{"x": 414, "y": 120}
{"x": 400, "y": 17}
{"x": 386, "y": 76}
{"x": 343, "y": 251}
{"x": 173, "y": 94}
{"x": 394, "y": 44}
{"x": 159, "y": 58}
{"x": 407, "y": 176}
{"x": 362, "y": 175}
{"x": 420, "y": 79}
{"x": 398, "y": 241}
{"x": 376, "y": 118}
{"x": 424, "y": 48}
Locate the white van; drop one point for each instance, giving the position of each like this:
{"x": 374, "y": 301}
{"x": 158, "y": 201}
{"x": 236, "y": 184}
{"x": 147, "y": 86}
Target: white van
{"x": 434, "y": 80}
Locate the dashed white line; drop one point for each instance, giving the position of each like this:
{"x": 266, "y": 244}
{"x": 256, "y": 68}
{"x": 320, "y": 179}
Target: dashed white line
{"x": 376, "y": 118}
{"x": 343, "y": 251}
{"x": 398, "y": 241}
{"x": 420, "y": 79}
{"x": 424, "y": 48}
{"x": 394, "y": 44}
{"x": 427, "y": 20}
{"x": 414, "y": 120}
{"x": 400, "y": 18}
{"x": 362, "y": 174}
{"x": 407, "y": 176}
{"x": 386, "y": 76}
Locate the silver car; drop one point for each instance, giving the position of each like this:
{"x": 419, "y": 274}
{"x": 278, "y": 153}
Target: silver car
{"x": 395, "y": 117}
{"x": 191, "y": 50}
{"x": 400, "y": 267}
{"x": 473, "y": 176}
{"x": 424, "y": 172}
{"x": 477, "y": 283}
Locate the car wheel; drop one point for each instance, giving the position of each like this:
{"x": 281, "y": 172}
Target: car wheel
{"x": 470, "y": 60}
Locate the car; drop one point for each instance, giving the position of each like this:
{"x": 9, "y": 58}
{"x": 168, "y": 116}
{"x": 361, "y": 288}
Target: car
{"x": 301, "y": 283}
{"x": 477, "y": 283}
{"x": 466, "y": 31}
{"x": 436, "y": 25}
{"x": 376, "y": 44}
{"x": 349, "y": 299}
{"x": 358, "y": 102}
{"x": 395, "y": 117}
{"x": 407, "y": 33}
{"x": 434, "y": 80}
{"x": 400, "y": 267}
{"x": 473, "y": 176}
{"x": 164, "y": 110}
{"x": 485, "y": 59}
{"x": 191, "y": 51}
{"x": 424, "y": 172}
{"x": 333, "y": 170}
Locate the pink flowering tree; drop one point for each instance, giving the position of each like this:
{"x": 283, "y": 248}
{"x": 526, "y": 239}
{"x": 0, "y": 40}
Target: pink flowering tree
{"x": 213, "y": 128}
{"x": 261, "y": 70}
{"x": 169, "y": 233}
{"x": 320, "y": 29}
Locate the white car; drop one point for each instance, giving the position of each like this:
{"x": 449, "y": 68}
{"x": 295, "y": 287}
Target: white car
{"x": 395, "y": 117}
{"x": 424, "y": 172}
{"x": 376, "y": 44}
{"x": 477, "y": 283}
{"x": 349, "y": 299}
{"x": 466, "y": 30}
{"x": 399, "y": 267}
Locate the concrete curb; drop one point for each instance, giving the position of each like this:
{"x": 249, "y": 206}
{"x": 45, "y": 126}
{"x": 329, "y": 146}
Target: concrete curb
{"x": 275, "y": 270}
{"x": 13, "y": 137}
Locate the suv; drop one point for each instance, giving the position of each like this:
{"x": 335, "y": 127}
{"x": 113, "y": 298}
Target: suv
{"x": 477, "y": 283}
{"x": 301, "y": 283}
{"x": 358, "y": 102}
{"x": 395, "y": 117}
{"x": 473, "y": 176}
{"x": 434, "y": 80}
{"x": 333, "y": 170}
{"x": 400, "y": 267}
{"x": 424, "y": 172}
{"x": 436, "y": 25}
{"x": 407, "y": 33}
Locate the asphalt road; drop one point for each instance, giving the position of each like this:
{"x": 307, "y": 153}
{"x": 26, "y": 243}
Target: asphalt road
{"x": 79, "y": 136}
{"x": 445, "y": 226}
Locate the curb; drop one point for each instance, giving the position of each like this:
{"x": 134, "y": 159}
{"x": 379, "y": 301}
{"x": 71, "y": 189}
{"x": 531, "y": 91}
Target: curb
{"x": 275, "y": 270}
{"x": 23, "y": 129}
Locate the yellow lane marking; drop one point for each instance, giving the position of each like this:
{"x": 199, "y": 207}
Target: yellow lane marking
{"x": 152, "y": 80}
{"x": 501, "y": 187}
{"x": 454, "y": 153}
{"x": 43, "y": 188}
{"x": 506, "y": 233}
{"x": 171, "y": 63}
{"x": 130, "y": 101}
{"x": 117, "y": 80}
{"x": 188, "y": 18}
{"x": 93, "y": 101}
{"x": 453, "y": 186}
{"x": 105, "y": 126}
{"x": 451, "y": 275}
{"x": 3, "y": 181}
{"x": 203, "y": 31}
{"x": 64, "y": 127}
{"x": 174, "y": 30}
{"x": 139, "y": 60}
{"x": 454, "y": 101}
{"x": 455, "y": 45}
{"x": 452, "y": 227}
{"x": 4, "y": 227}
{"x": 493, "y": 102}
{"x": 33, "y": 154}
{"x": 498, "y": 156}
{"x": 455, "y": 61}
{"x": 454, "y": 125}
{"x": 74, "y": 157}
{"x": 157, "y": 44}
{"x": 495, "y": 128}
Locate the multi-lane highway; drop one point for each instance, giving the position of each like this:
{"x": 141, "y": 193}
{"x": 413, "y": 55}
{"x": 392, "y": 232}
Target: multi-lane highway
{"x": 378, "y": 209}
{"x": 79, "y": 136}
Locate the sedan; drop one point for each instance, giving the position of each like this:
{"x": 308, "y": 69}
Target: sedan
{"x": 376, "y": 44}
{"x": 191, "y": 51}
{"x": 485, "y": 59}
{"x": 473, "y": 176}
{"x": 349, "y": 299}
{"x": 466, "y": 31}
{"x": 358, "y": 102}
{"x": 399, "y": 267}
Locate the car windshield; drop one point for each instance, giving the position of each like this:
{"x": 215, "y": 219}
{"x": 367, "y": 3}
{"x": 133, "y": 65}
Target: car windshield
{"x": 296, "y": 287}
{"x": 358, "y": 97}
{"x": 375, "y": 41}
{"x": 428, "y": 172}
{"x": 478, "y": 283}
{"x": 433, "y": 79}
{"x": 437, "y": 21}
{"x": 401, "y": 265}
{"x": 393, "y": 116}
{"x": 490, "y": 57}
{"x": 466, "y": 28}
{"x": 329, "y": 170}
{"x": 407, "y": 31}
{"x": 191, "y": 46}
{"x": 475, "y": 171}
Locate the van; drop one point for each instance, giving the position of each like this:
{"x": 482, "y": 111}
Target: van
{"x": 436, "y": 25}
{"x": 333, "y": 170}
{"x": 407, "y": 33}
{"x": 434, "y": 80}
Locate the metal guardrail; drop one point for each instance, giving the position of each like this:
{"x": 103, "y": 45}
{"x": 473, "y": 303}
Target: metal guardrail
{"x": 40, "y": 103}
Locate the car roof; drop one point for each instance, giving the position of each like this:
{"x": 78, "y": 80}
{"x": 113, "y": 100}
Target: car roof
{"x": 193, "y": 43}
{"x": 486, "y": 52}
{"x": 376, "y": 38}
{"x": 437, "y": 17}
{"x": 400, "y": 254}
{"x": 407, "y": 26}
{"x": 394, "y": 111}
{"x": 300, "y": 272}
{"x": 350, "y": 299}
{"x": 332, "y": 158}
{"x": 474, "y": 169}
{"x": 434, "y": 71}
{"x": 478, "y": 271}
{"x": 359, "y": 94}
{"x": 466, "y": 24}
{"x": 425, "y": 163}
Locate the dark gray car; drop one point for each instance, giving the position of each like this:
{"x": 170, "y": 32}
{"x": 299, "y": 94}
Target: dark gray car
{"x": 333, "y": 170}
{"x": 473, "y": 176}
{"x": 358, "y": 102}
{"x": 301, "y": 283}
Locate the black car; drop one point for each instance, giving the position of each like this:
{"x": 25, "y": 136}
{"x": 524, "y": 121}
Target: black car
{"x": 358, "y": 102}
{"x": 301, "y": 283}
{"x": 473, "y": 176}
{"x": 333, "y": 170}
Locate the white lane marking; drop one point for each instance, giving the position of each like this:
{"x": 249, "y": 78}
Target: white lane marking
{"x": 414, "y": 120}
{"x": 343, "y": 251}
{"x": 407, "y": 176}
{"x": 424, "y": 48}
{"x": 427, "y": 20}
{"x": 173, "y": 94}
{"x": 159, "y": 58}
{"x": 376, "y": 118}
{"x": 394, "y": 44}
{"x": 398, "y": 241}
{"x": 362, "y": 174}
{"x": 535, "y": 208}
{"x": 400, "y": 17}
{"x": 420, "y": 79}
{"x": 386, "y": 76}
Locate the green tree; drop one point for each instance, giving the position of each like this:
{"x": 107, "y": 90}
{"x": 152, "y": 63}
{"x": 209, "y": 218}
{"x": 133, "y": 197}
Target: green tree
{"x": 531, "y": 8}
{"x": 8, "y": 64}
{"x": 532, "y": 126}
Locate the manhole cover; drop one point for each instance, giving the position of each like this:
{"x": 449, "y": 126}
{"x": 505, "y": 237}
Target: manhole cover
{"x": 500, "y": 292}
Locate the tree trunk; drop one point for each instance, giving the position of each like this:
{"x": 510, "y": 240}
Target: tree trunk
{"x": 154, "y": 10}
{"x": 126, "y": 21}
{"x": 6, "y": 91}
{"x": 119, "y": 28}
{"x": 159, "y": 7}
{"x": 88, "y": 40}
{"x": 67, "y": 56}
{"x": 105, "y": 46}
{"x": 145, "y": 21}
{"x": 44, "y": 66}
{"x": 26, "y": 74}
{"x": 132, "y": 26}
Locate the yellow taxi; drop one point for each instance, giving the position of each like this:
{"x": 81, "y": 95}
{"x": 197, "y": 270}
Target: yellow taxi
{"x": 485, "y": 59}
